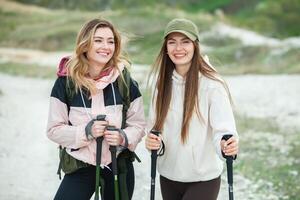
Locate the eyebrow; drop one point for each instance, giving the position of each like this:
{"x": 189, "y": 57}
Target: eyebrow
{"x": 98, "y": 37}
{"x": 184, "y": 38}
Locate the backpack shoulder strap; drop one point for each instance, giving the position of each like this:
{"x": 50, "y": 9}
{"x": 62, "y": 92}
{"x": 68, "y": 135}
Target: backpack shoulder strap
{"x": 70, "y": 89}
{"x": 124, "y": 89}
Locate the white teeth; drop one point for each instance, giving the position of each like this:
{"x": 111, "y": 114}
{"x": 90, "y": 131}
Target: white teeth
{"x": 104, "y": 54}
{"x": 179, "y": 55}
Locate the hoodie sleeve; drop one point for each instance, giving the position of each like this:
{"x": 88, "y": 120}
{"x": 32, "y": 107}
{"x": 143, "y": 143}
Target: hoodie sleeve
{"x": 221, "y": 116}
{"x": 59, "y": 129}
{"x": 135, "y": 120}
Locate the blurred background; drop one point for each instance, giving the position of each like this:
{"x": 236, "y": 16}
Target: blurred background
{"x": 254, "y": 44}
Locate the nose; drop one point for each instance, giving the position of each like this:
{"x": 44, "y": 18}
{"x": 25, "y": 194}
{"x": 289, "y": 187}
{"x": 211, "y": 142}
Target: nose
{"x": 178, "y": 46}
{"x": 105, "y": 45}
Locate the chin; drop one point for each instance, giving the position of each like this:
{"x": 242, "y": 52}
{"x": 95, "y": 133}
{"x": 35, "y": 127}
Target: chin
{"x": 103, "y": 62}
{"x": 180, "y": 63}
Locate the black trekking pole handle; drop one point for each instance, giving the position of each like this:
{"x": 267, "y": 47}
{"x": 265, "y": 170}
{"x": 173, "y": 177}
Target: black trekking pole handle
{"x": 98, "y": 158}
{"x": 113, "y": 150}
{"x": 153, "y": 167}
{"x": 229, "y": 161}
{"x": 99, "y": 140}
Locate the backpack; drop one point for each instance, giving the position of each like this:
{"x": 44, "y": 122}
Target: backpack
{"x": 69, "y": 164}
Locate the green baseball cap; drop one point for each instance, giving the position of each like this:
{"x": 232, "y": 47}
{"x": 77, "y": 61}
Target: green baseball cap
{"x": 183, "y": 26}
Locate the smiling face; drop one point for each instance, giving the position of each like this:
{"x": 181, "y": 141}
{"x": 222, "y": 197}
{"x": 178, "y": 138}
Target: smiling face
{"x": 181, "y": 51}
{"x": 102, "y": 47}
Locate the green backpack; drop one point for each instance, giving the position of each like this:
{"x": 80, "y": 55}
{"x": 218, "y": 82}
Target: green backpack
{"x": 69, "y": 164}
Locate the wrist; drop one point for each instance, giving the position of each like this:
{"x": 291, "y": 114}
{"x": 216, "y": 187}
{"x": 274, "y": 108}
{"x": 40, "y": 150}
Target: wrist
{"x": 88, "y": 130}
{"x": 121, "y": 140}
{"x": 124, "y": 138}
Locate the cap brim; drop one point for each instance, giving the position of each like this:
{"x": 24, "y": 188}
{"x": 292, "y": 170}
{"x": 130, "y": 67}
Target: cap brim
{"x": 190, "y": 36}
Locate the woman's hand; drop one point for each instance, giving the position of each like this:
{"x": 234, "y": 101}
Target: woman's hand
{"x": 113, "y": 138}
{"x": 230, "y": 147}
{"x": 152, "y": 142}
{"x": 98, "y": 128}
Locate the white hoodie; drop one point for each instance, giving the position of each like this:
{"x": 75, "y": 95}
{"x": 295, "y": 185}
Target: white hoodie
{"x": 200, "y": 158}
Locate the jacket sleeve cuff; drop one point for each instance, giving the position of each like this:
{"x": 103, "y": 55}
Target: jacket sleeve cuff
{"x": 81, "y": 139}
{"x": 218, "y": 147}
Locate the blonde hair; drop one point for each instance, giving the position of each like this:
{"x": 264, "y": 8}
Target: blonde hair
{"x": 78, "y": 64}
{"x": 163, "y": 68}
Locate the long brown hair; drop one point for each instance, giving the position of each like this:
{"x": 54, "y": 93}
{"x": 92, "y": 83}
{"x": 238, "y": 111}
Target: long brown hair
{"x": 163, "y": 68}
{"x": 78, "y": 64}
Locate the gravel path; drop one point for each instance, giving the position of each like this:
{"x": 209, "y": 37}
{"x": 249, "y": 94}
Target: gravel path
{"x": 276, "y": 97}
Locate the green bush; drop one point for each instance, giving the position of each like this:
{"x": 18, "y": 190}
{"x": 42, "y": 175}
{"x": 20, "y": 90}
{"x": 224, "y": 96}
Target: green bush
{"x": 274, "y": 18}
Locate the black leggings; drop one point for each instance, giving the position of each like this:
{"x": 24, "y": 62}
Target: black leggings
{"x": 80, "y": 185}
{"x": 202, "y": 190}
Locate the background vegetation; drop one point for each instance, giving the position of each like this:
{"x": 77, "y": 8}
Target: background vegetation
{"x": 53, "y": 27}
{"x": 275, "y": 18}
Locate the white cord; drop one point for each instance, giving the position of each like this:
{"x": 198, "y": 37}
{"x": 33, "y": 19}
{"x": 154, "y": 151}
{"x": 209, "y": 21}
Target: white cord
{"x": 87, "y": 113}
{"x": 114, "y": 95}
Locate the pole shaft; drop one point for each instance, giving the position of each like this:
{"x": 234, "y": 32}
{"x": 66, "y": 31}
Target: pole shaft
{"x": 153, "y": 168}
{"x": 230, "y": 193}
{"x": 152, "y": 192}
{"x": 98, "y": 158}
{"x": 117, "y": 193}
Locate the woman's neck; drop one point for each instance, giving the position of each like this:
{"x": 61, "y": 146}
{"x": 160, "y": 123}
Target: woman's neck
{"x": 94, "y": 71}
{"x": 182, "y": 69}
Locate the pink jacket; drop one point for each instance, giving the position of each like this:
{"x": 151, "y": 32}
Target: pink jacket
{"x": 67, "y": 127}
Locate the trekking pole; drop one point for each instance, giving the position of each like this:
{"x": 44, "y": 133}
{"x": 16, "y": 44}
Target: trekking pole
{"x": 98, "y": 159}
{"x": 153, "y": 167}
{"x": 113, "y": 150}
{"x": 229, "y": 161}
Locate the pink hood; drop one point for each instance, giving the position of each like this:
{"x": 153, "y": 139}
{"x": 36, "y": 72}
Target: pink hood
{"x": 62, "y": 69}
{"x": 105, "y": 77}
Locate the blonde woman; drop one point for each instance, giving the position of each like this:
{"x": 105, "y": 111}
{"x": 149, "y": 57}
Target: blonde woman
{"x": 85, "y": 88}
{"x": 192, "y": 109}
